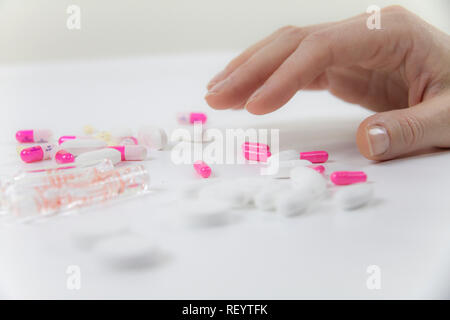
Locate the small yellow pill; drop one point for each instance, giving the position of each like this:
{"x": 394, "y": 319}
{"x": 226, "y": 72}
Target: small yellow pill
{"x": 89, "y": 130}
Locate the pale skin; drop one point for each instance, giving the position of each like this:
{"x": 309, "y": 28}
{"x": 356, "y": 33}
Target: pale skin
{"x": 401, "y": 71}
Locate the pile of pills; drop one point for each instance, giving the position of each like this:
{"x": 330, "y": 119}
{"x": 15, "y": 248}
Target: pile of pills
{"x": 92, "y": 147}
{"x": 298, "y": 181}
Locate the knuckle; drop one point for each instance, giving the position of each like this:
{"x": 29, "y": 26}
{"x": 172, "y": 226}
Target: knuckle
{"x": 412, "y": 130}
{"x": 396, "y": 11}
{"x": 287, "y": 28}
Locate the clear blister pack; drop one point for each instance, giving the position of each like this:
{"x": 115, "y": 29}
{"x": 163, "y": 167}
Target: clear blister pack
{"x": 35, "y": 194}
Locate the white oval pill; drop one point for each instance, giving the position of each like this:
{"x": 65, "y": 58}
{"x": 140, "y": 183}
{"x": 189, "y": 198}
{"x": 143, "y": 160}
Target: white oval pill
{"x": 308, "y": 180}
{"x": 285, "y": 167}
{"x": 79, "y": 146}
{"x": 293, "y": 202}
{"x": 354, "y": 196}
{"x": 152, "y": 137}
{"x": 265, "y": 198}
{"x": 284, "y": 156}
{"x": 226, "y": 192}
{"x": 96, "y": 156}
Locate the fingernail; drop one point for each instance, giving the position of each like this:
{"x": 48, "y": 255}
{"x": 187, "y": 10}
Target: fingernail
{"x": 217, "y": 88}
{"x": 253, "y": 96}
{"x": 378, "y": 140}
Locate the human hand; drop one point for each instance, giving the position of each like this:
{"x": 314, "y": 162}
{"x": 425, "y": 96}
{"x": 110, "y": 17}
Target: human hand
{"x": 401, "y": 71}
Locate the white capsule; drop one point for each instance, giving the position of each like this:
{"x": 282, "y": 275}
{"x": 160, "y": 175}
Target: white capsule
{"x": 265, "y": 198}
{"x": 284, "y": 156}
{"x": 354, "y": 196}
{"x": 293, "y": 202}
{"x": 308, "y": 180}
{"x": 285, "y": 167}
{"x": 226, "y": 192}
{"x": 79, "y": 146}
{"x": 152, "y": 137}
{"x": 96, "y": 156}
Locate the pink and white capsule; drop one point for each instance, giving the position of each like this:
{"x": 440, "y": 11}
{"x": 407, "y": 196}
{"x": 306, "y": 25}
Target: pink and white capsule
{"x": 348, "y": 177}
{"x": 255, "y": 147}
{"x": 202, "y": 169}
{"x": 131, "y": 152}
{"x": 65, "y": 138}
{"x": 257, "y": 156}
{"x": 314, "y": 156}
{"x": 37, "y": 153}
{"x": 191, "y": 117}
{"x": 62, "y": 156}
{"x": 27, "y": 136}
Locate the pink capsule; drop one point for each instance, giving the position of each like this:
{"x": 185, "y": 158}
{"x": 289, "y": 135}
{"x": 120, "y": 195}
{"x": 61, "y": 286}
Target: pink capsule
{"x": 37, "y": 153}
{"x": 62, "y": 156}
{"x": 257, "y": 156}
{"x": 26, "y": 136}
{"x": 255, "y": 147}
{"x": 202, "y": 169}
{"x": 348, "y": 177}
{"x": 319, "y": 169}
{"x": 191, "y": 117}
{"x": 314, "y": 156}
{"x": 132, "y": 152}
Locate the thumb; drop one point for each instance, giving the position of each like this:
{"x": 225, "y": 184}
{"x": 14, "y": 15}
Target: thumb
{"x": 387, "y": 135}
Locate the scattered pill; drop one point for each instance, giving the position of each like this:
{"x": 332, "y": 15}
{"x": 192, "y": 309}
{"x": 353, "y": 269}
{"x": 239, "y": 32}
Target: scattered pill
{"x": 104, "y": 135}
{"x": 308, "y": 180}
{"x": 293, "y": 202}
{"x": 284, "y": 167}
{"x": 131, "y": 152}
{"x": 62, "y": 156}
{"x": 319, "y": 169}
{"x": 27, "y": 136}
{"x": 202, "y": 169}
{"x": 89, "y": 130}
{"x": 265, "y": 198}
{"x": 37, "y": 153}
{"x": 191, "y": 118}
{"x": 65, "y": 138}
{"x": 348, "y": 177}
{"x": 315, "y": 156}
{"x": 255, "y": 147}
{"x": 152, "y": 137}
{"x": 227, "y": 192}
{"x": 354, "y": 196}
{"x": 285, "y": 155}
{"x": 261, "y": 156}
{"x": 79, "y": 146}
{"x": 96, "y": 156}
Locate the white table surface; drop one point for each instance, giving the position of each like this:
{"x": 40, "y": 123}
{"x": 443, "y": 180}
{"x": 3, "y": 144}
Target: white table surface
{"x": 323, "y": 254}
